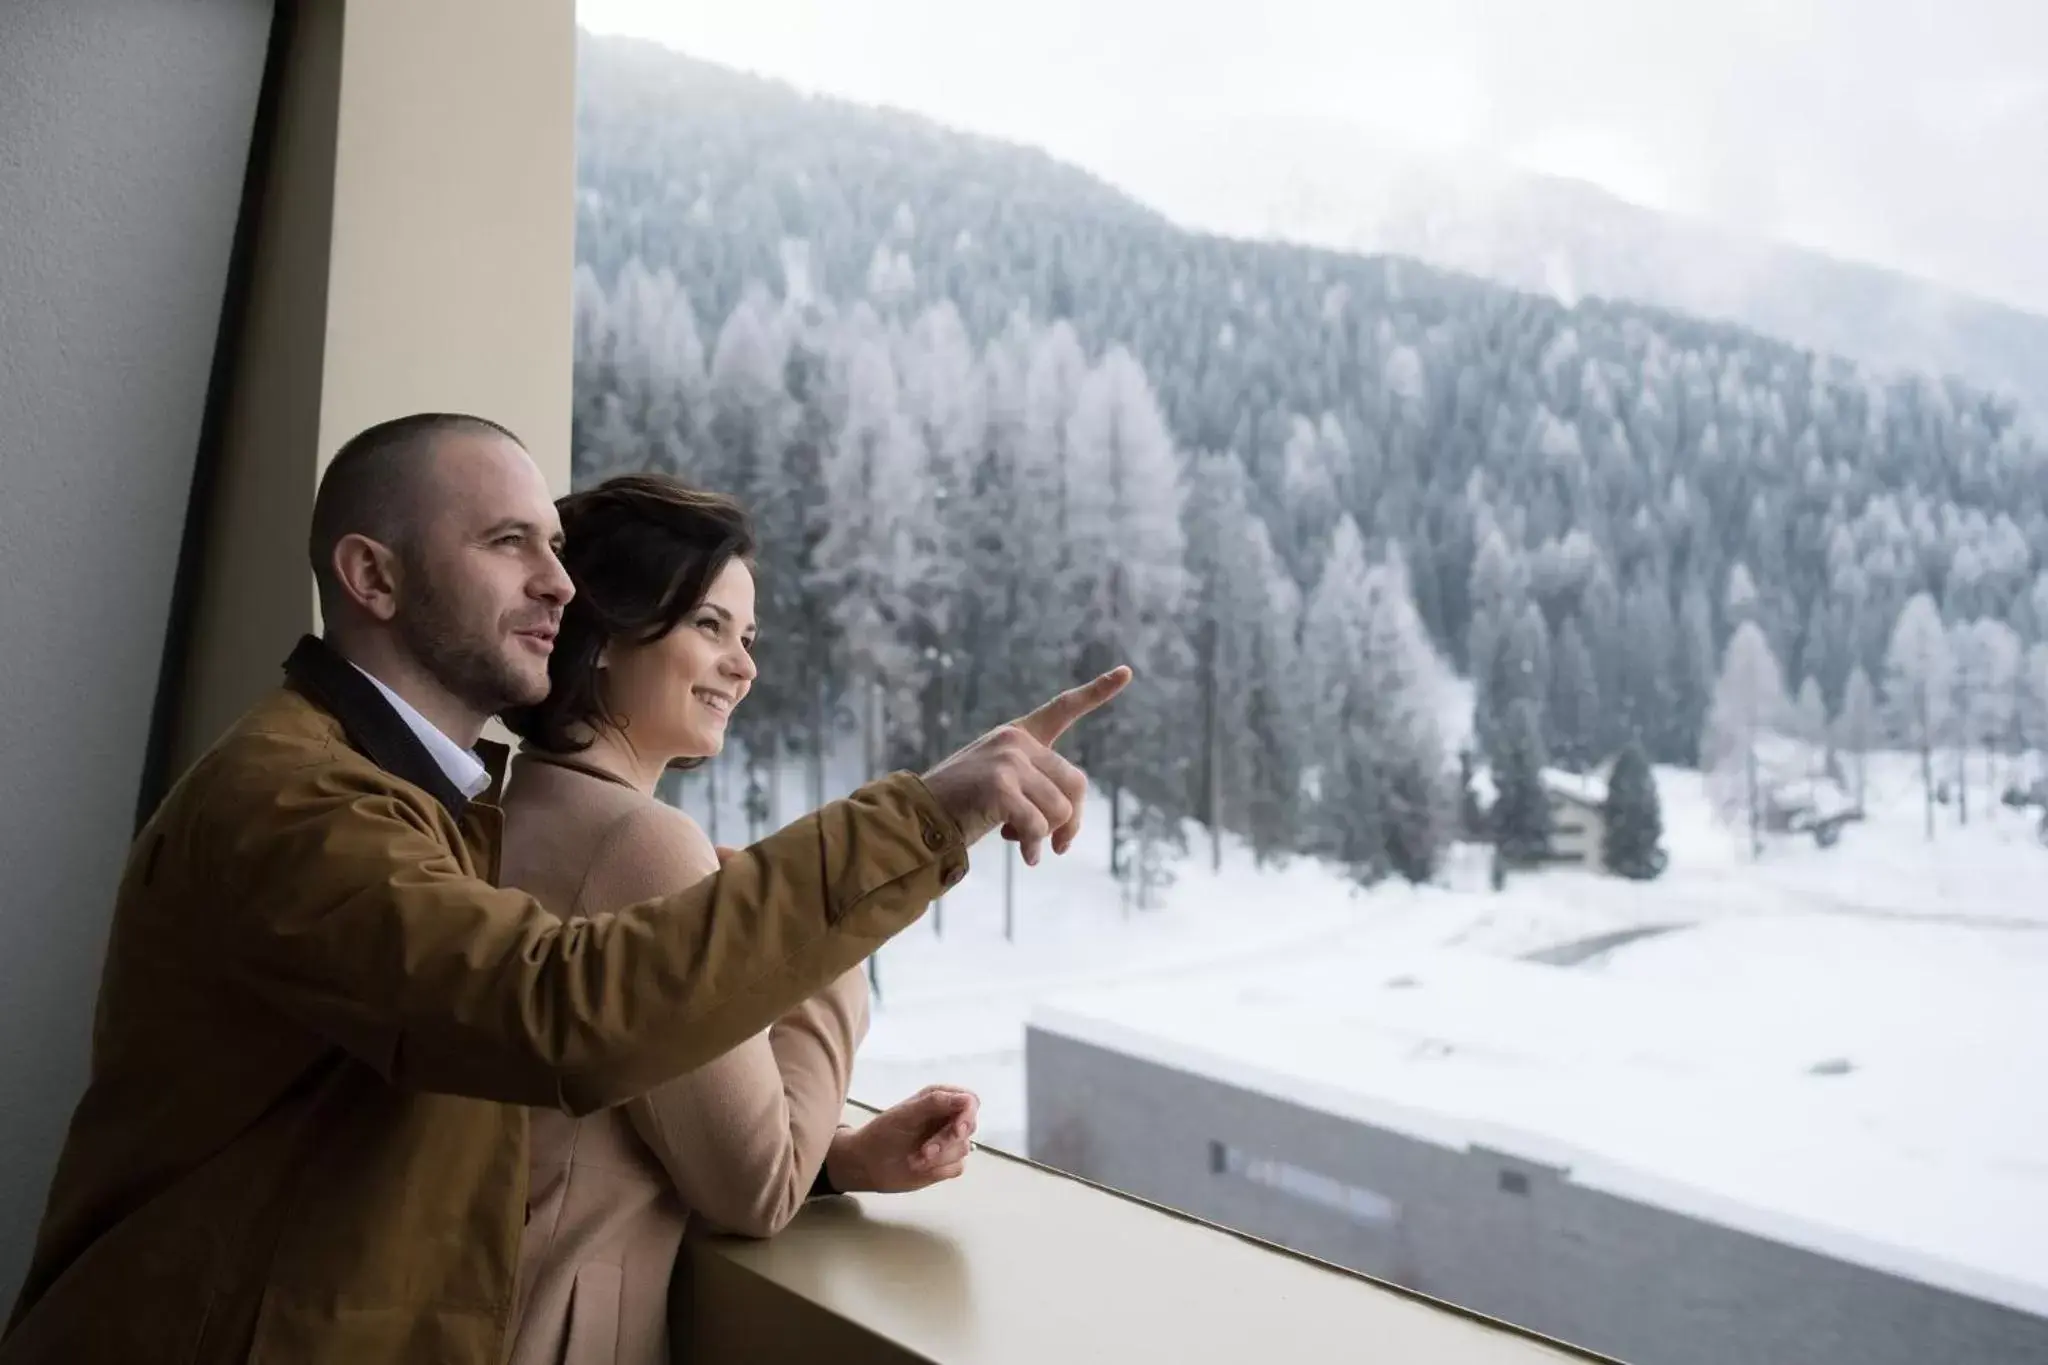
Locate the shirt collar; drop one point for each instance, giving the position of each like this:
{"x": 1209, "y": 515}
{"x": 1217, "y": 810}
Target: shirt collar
{"x": 461, "y": 766}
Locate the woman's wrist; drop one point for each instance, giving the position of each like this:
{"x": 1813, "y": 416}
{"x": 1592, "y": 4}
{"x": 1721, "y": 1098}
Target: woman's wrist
{"x": 845, "y": 1170}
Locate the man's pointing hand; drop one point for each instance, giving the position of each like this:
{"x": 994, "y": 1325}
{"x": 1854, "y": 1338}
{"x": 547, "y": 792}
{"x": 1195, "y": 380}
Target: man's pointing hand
{"x": 1011, "y": 779}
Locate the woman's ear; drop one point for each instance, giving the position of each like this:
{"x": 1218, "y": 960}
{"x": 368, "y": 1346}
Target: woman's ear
{"x": 604, "y": 655}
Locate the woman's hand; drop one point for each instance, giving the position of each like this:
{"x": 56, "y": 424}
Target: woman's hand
{"x": 908, "y": 1146}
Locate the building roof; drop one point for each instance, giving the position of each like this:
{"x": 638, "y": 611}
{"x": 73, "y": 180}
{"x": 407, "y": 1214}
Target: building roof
{"x": 1666, "y": 1096}
{"x": 1584, "y": 789}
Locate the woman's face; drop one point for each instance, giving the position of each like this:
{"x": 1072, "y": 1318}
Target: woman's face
{"x": 674, "y": 696}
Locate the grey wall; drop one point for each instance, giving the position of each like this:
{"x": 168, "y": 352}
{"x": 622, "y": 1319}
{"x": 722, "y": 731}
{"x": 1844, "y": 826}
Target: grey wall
{"x": 1634, "y": 1282}
{"x": 124, "y": 131}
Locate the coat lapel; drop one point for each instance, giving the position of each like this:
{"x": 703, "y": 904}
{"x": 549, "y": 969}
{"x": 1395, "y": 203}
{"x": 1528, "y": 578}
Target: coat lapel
{"x": 374, "y": 730}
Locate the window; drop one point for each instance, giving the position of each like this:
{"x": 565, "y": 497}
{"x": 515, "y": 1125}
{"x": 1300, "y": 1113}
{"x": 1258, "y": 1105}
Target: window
{"x": 1353, "y": 1201}
{"x": 1585, "y": 556}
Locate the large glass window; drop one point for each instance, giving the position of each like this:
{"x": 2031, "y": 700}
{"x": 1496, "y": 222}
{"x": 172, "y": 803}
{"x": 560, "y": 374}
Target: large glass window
{"x": 1571, "y": 481}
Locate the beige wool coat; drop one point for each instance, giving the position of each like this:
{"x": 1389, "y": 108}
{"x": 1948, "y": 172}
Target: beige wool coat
{"x": 737, "y": 1142}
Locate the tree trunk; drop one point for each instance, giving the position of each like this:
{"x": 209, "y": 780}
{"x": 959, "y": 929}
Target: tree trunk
{"x": 1927, "y": 780}
{"x": 1212, "y": 778}
{"x": 818, "y": 742}
{"x": 711, "y": 797}
{"x": 1116, "y": 831}
{"x": 870, "y": 764}
{"x": 1756, "y": 813}
{"x": 1962, "y": 786}
{"x": 1009, "y": 894}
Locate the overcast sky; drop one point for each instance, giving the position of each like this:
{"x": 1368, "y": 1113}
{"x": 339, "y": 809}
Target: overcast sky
{"x": 1913, "y": 133}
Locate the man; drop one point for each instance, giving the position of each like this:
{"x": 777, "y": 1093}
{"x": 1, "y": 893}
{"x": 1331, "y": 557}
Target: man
{"x": 302, "y": 1140}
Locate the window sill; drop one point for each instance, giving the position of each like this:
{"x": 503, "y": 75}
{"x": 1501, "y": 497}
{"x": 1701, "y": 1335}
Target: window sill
{"x": 1018, "y": 1263}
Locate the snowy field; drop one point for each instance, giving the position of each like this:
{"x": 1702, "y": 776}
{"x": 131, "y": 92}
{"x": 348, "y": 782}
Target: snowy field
{"x": 1858, "y": 1035}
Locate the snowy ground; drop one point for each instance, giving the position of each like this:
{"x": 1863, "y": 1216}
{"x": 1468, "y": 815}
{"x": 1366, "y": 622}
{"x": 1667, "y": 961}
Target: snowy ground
{"x": 1921, "y": 966}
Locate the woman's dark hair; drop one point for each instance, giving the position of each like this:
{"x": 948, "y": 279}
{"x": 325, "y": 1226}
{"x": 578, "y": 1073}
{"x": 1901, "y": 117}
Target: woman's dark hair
{"x": 642, "y": 550}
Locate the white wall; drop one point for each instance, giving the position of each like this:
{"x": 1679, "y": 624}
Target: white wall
{"x": 124, "y": 131}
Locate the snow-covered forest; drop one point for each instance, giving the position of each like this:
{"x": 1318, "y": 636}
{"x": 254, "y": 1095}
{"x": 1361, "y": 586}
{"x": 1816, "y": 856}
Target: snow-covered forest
{"x": 1000, "y": 426}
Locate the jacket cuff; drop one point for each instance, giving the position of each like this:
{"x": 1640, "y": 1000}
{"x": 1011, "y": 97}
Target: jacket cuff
{"x": 821, "y": 1185}
{"x": 910, "y": 856}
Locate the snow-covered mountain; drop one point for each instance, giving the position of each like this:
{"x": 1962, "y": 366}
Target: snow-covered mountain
{"x": 1319, "y": 183}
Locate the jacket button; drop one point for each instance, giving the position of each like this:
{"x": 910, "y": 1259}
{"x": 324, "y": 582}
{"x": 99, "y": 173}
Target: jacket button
{"x": 934, "y": 838}
{"x": 952, "y": 875}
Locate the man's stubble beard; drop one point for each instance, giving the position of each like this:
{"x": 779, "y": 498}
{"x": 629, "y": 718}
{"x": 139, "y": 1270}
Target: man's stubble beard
{"x": 465, "y": 658}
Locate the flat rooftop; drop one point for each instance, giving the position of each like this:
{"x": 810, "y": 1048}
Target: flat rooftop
{"x": 1836, "y": 1120}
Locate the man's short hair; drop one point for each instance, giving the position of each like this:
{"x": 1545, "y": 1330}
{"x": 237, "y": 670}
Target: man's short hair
{"x": 372, "y": 486}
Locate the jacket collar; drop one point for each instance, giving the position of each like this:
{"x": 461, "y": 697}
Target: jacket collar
{"x": 372, "y": 727}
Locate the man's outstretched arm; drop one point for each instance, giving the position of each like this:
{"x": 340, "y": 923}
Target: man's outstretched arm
{"x": 341, "y": 907}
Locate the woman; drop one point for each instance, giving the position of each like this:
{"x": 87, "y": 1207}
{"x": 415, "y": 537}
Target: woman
{"x": 653, "y": 655}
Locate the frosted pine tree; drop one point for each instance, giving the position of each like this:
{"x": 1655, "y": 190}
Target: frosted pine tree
{"x": 1309, "y": 498}
{"x": 1645, "y": 667}
{"x": 1749, "y": 708}
{"x": 943, "y": 398}
{"x": 1521, "y": 808}
{"x": 868, "y": 561}
{"x": 751, "y": 423}
{"x": 1004, "y": 540}
{"x": 1810, "y": 725}
{"x": 1041, "y": 638}
{"x": 1987, "y": 654}
{"x": 1406, "y": 682}
{"x": 659, "y": 366}
{"x": 1128, "y": 581}
{"x": 1919, "y": 688}
{"x": 1857, "y": 727}
{"x": 1348, "y": 817}
{"x": 1633, "y": 828}
{"x": 1693, "y": 677}
{"x": 1497, "y": 592}
{"x": 1230, "y": 566}
{"x": 1575, "y": 702}
{"x": 2033, "y": 698}
{"x": 1276, "y": 710}
{"x": 802, "y": 641}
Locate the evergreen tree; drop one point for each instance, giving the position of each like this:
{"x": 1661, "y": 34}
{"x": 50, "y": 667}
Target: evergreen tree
{"x": 1349, "y": 813}
{"x": 1856, "y": 728}
{"x": 1646, "y": 702}
{"x": 1919, "y": 688}
{"x": 1128, "y": 580}
{"x": 1240, "y": 622}
{"x": 1521, "y": 808}
{"x": 1987, "y": 656}
{"x": 1810, "y": 724}
{"x": 1749, "y": 706}
{"x": 1575, "y": 713}
{"x": 938, "y": 559}
{"x": 1634, "y": 824}
{"x": 2033, "y": 698}
{"x": 1407, "y": 680}
{"x": 1472, "y": 817}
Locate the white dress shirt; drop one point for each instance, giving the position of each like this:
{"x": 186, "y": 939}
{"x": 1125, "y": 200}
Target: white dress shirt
{"x": 459, "y": 765}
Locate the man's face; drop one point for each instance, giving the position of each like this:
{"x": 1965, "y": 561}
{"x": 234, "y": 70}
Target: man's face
{"x": 482, "y": 590}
